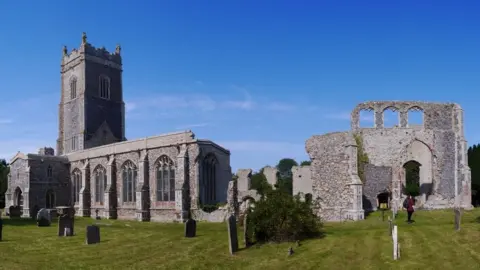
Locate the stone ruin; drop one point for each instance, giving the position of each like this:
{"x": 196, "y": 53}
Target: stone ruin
{"x": 438, "y": 146}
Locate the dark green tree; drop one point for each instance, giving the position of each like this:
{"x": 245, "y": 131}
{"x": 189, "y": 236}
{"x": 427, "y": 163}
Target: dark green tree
{"x": 285, "y": 180}
{"x": 4, "y": 170}
{"x": 305, "y": 163}
{"x": 474, "y": 164}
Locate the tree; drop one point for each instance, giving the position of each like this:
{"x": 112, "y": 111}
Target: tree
{"x": 259, "y": 182}
{"x": 474, "y": 164}
{"x": 306, "y": 163}
{"x": 4, "y": 170}
{"x": 285, "y": 180}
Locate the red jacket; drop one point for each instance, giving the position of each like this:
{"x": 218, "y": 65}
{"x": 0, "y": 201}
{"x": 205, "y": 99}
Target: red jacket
{"x": 410, "y": 204}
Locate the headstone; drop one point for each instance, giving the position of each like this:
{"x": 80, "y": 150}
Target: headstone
{"x": 93, "y": 235}
{"x": 458, "y": 218}
{"x": 246, "y": 232}
{"x": 290, "y": 251}
{"x": 65, "y": 221}
{"x": 1, "y": 228}
{"x": 390, "y": 226}
{"x": 15, "y": 211}
{"x": 232, "y": 234}
{"x": 190, "y": 228}
{"x": 43, "y": 218}
{"x": 395, "y": 242}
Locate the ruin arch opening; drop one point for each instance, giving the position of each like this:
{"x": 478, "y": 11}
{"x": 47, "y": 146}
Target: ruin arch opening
{"x": 412, "y": 178}
{"x": 366, "y": 118}
{"x": 391, "y": 117}
{"x": 415, "y": 117}
{"x": 383, "y": 200}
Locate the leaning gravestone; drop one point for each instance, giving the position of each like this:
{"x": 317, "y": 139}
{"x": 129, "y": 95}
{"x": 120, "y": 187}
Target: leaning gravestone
{"x": 43, "y": 218}
{"x": 232, "y": 234}
{"x": 1, "y": 228}
{"x": 93, "y": 235}
{"x": 65, "y": 221}
{"x": 190, "y": 228}
{"x": 458, "y": 218}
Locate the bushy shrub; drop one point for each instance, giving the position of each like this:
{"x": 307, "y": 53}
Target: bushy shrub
{"x": 279, "y": 217}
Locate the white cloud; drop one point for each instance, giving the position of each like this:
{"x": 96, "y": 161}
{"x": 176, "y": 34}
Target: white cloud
{"x": 5, "y": 121}
{"x": 200, "y": 125}
{"x": 263, "y": 146}
{"x": 162, "y": 102}
{"x": 130, "y": 106}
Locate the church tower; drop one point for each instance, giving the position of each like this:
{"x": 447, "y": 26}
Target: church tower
{"x": 91, "y": 109}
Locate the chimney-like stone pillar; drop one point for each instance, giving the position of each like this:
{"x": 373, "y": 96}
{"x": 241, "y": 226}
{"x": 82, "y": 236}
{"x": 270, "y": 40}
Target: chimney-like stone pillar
{"x": 142, "y": 189}
{"x": 110, "y": 199}
{"x": 182, "y": 185}
{"x": 85, "y": 198}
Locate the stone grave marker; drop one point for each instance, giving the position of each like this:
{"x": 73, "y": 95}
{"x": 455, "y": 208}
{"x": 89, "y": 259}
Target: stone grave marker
{"x": 65, "y": 221}
{"x": 43, "y": 218}
{"x": 246, "y": 232}
{"x": 93, "y": 235}
{"x": 458, "y": 218}
{"x": 15, "y": 211}
{"x": 190, "y": 228}
{"x": 1, "y": 228}
{"x": 232, "y": 234}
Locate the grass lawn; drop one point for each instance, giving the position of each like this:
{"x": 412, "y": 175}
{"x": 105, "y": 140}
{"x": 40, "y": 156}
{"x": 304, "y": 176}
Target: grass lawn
{"x": 430, "y": 243}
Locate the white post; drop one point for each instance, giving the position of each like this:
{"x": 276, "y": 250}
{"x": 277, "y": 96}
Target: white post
{"x": 395, "y": 242}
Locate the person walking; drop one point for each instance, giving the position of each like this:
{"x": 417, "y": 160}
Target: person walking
{"x": 409, "y": 205}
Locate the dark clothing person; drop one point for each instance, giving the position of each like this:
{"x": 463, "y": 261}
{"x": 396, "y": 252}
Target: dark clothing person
{"x": 410, "y": 209}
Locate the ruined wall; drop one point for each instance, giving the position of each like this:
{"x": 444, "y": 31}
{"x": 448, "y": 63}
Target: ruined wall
{"x": 378, "y": 179}
{"x": 302, "y": 180}
{"x": 271, "y": 174}
{"x": 438, "y": 144}
{"x": 336, "y": 185}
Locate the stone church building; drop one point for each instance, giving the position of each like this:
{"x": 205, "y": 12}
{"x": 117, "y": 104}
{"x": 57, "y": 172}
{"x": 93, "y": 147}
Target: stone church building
{"x": 157, "y": 178}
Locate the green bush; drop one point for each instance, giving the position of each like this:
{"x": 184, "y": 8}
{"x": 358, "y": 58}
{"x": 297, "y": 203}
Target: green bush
{"x": 279, "y": 217}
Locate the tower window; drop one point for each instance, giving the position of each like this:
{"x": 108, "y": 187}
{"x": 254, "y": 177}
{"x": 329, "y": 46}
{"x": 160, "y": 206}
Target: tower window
{"x": 73, "y": 88}
{"x": 104, "y": 87}
{"x": 74, "y": 143}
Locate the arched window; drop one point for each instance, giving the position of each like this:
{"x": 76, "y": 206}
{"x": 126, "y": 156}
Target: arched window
{"x": 49, "y": 172}
{"x": 73, "y": 88}
{"x": 77, "y": 185}
{"x": 18, "y": 198}
{"x": 50, "y": 199}
{"x": 100, "y": 184}
{"x": 129, "y": 176}
{"x": 104, "y": 87}
{"x": 209, "y": 178}
{"x": 165, "y": 179}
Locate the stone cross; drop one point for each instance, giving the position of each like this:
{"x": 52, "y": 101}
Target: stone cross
{"x": 458, "y": 218}
{"x": 395, "y": 242}
{"x": 93, "y": 235}
{"x": 232, "y": 234}
{"x": 190, "y": 228}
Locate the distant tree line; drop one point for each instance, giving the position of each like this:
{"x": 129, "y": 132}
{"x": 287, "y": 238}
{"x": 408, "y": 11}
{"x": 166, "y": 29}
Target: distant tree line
{"x": 474, "y": 164}
{"x": 4, "y": 170}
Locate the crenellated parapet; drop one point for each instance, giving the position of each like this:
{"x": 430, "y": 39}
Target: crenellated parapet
{"x": 87, "y": 51}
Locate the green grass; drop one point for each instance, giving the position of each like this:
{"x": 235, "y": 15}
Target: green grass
{"x": 430, "y": 243}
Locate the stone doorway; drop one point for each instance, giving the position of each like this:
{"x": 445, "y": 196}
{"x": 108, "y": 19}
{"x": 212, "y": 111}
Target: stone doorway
{"x": 412, "y": 178}
{"x": 50, "y": 199}
{"x": 383, "y": 200}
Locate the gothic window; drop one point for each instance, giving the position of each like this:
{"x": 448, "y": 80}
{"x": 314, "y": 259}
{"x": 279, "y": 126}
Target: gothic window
{"x": 209, "y": 178}
{"x": 50, "y": 199}
{"x": 104, "y": 87}
{"x": 100, "y": 184}
{"x": 129, "y": 177}
{"x": 73, "y": 88}
{"x": 74, "y": 143}
{"x": 49, "y": 172}
{"x": 77, "y": 185}
{"x": 165, "y": 179}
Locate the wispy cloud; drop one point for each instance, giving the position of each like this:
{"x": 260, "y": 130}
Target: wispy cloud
{"x": 199, "y": 125}
{"x": 6, "y": 121}
{"x": 130, "y": 106}
{"x": 267, "y": 146}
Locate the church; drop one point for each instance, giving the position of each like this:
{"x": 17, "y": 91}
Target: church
{"x": 97, "y": 170}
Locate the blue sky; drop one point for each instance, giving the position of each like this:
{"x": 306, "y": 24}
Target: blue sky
{"x": 258, "y": 77}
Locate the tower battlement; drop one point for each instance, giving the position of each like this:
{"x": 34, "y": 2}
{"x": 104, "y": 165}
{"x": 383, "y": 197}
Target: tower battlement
{"x": 87, "y": 50}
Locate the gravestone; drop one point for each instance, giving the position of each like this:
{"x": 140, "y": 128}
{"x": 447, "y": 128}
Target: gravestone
{"x": 190, "y": 228}
{"x": 43, "y": 218}
{"x": 232, "y": 234}
{"x": 390, "y": 226}
{"x": 246, "y": 232}
{"x": 66, "y": 221}
{"x": 458, "y": 218}
{"x": 93, "y": 235}
{"x": 1, "y": 228}
{"x": 15, "y": 211}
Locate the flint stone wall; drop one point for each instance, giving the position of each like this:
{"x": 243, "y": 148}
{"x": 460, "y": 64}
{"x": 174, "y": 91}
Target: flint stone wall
{"x": 378, "y": 179}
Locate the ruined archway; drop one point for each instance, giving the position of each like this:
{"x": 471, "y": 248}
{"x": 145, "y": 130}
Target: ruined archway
{"x": 383, "y": 200}
{"x": 412, "y": 178}
{"x": 18, "y": 198}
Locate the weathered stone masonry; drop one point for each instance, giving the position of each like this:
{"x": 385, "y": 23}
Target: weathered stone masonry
{"x": 438, "y": 145}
